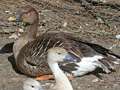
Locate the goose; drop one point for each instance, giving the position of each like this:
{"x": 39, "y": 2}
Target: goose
{"x": 30, "y": 50}
{"x": 31, "y": 84}
{"x": 54, "y": 55}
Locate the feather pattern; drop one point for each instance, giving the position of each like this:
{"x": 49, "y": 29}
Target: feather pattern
{"x": 30, "y": 51}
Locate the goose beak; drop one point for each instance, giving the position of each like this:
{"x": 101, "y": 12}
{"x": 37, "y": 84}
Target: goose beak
{"x": 14, "y": 18}
{"x": 41, "y": 89}
{"x": 71, "y": 57}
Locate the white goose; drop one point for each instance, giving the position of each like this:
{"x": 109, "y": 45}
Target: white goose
{"x": 54, "y": 55}
{"x": 31, "y": 84}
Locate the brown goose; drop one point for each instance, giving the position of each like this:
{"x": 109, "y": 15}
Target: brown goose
{"x": 54, "y": 55}
{"x": 30, "y": 51}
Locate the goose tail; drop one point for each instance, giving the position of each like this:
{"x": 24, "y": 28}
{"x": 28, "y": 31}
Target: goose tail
{"x": 111, "y": 53}
{"x": 102, "y": 50}
{"x": 107, "y": 64}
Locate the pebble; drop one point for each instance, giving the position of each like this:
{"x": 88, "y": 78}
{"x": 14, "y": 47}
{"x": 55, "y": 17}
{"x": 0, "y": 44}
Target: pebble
{"x": 21, "y": 30}
{"x": 41, "y": 27}
{"x": 19, "y": 34}
{"x": 95, "y": 80}
{"x": 65, "y": 24}
{"x": 7, "y": 12}
{"x": 47, "y": 83}
{"x": 80, "y": 27}
{"x": 99, "y": 20}
{"x": 114, "y": 85}
{"x": 13, "y": 36}
{"x": 118, "y": 36}
{"x": 78, "y": 88}
{"x": 8, "y": 30}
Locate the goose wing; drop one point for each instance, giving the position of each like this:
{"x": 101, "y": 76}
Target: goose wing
{"x": 34, "y": 53}
{"x": 98, "y": 48}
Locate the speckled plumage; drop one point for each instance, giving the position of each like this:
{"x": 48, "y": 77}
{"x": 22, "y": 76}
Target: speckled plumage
{"x": 30, "y": 51}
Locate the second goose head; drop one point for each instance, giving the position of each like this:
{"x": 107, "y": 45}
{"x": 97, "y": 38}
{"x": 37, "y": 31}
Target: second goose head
{"x": 29, "y": 16}
{"x": 58, "y": 54}
{"x": 26, "y": 14}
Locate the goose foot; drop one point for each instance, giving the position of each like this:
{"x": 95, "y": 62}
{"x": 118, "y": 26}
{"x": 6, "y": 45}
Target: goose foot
{"x": 45, "y": 77}
{"x": 70, "y": 78}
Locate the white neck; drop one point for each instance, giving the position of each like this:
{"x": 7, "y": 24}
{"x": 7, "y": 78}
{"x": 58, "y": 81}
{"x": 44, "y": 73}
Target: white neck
{"x": 61, "y": 80}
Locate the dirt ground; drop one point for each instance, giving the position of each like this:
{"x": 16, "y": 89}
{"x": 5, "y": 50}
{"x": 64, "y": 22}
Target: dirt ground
{"x": 12, "y": 79}
{"x": 54, "y": 16}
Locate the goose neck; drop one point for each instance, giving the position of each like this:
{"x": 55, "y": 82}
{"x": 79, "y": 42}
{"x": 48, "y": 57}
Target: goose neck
{"x": 55, "y": 69}
{"x": 60, "y": 78}
{"x": 31, "y": 30}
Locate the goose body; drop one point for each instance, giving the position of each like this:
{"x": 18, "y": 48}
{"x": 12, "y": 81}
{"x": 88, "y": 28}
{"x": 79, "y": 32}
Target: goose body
{"x": 31, "y": 52}
{"x": 54, "y": 55}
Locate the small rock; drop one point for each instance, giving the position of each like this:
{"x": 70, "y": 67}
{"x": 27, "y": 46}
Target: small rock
{"x": 13, "y": 36}
{"x": 99, "y": 20}
{"x": 19, "y": 34}
{"x": 114, "y": 85}
{"x": 102, "y": 80}
{"x": 77, "y": 12}
{"x": 118, "y": 36}
{"x": 21, "y": 30}
{"x": 80, "y": 27}
{"x": 106, "y": 86}
{"x": 8, "y": 30}
{"x": 41, "y": 27}
{"x": 7, "y": 12}
{"x": 78, "y": 88}
{"x": 12, "y": 80}
{"x": 95, "y": 80}
{"x": 65, "y": 24}
{"x": 47, "y": 83}
{"x": 10, "y": 12}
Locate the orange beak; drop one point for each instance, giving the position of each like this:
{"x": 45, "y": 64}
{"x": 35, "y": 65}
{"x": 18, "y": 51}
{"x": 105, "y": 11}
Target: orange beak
{"x": 11, "y": 19}
{"x": 14, "y": 18}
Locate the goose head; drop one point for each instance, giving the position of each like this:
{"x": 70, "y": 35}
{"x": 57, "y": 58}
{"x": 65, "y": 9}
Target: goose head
{"x": 26, "y": 14}
{"x": 31, "y": 84}
{"x": 58, "y": 54}
{"x": 29, "y": 16}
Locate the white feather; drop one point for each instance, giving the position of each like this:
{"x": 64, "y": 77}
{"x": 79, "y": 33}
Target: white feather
{"x": 86, "y": 65}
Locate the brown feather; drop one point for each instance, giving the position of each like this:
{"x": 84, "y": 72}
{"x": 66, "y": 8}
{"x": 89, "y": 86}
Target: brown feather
{"x": 30, "y": 51}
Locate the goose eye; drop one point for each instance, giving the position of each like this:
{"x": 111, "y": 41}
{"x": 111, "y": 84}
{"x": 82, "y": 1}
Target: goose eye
{"x": 59, "y": 53}
{"x": 32, "y": 86}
